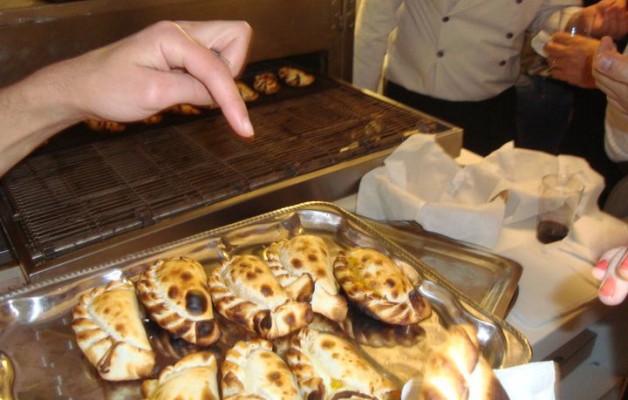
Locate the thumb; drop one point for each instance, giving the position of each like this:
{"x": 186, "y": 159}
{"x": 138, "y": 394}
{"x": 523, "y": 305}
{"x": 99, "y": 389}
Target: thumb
{"x": 610, "y": 62}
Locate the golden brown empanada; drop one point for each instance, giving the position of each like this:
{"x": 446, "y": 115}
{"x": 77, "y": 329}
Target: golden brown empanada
{"x": 194, "y": 377}
{"x": 175, "y": 294}
{"x": 308, "y": 254}
{"x": 246, "y": 292}
{"x": 246, "y": 92}
{"x": 266, "y": 82}
{"x": 108, "y": 325}
{"x": 456, "y": 369}
{"x": 328, "y": 366}
{"x": 379, "y": 287}
{"x": 252, "y": 369}
{"x": 295, "y": 77}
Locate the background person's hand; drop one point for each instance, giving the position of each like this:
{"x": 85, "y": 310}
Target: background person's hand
{"x": 610, "y": 70}
{"x": 612, "y": 271}
{"x": 604, "y": 18}
{"x": 165, "y": 64}
{"x": 571, "y": 58}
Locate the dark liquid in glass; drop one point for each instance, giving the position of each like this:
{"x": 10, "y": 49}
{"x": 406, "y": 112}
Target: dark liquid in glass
{"x": 550, "y": 231}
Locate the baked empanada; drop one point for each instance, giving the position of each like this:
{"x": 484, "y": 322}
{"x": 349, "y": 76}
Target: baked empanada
{"x": 457, "y": 370}
{"x": 193, "y": 377}
{"x": 246, "y": 92}
{"x": 246, "y": 292}
{"x": 308, "y": 254}
{"x": 379, "y": 287}
{"x": 175, "y": 294}
{"x": 266, "y": 82}
{"x": 252, "y": 370}
{"x": 328, "y": 366}
{"x": 295, "y": 77}
{"x": 108, "y": 325}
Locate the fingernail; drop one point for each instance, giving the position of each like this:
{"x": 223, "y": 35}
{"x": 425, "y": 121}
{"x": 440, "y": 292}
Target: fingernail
{"x": 604, "y": 63}
{"x": 247, "y": 128}
{"x": 608, "y": 288}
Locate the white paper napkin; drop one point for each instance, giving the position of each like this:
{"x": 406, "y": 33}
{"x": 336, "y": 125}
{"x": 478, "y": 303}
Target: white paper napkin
{"x": 534, "y": 381}
{"x": 420, "y": 182}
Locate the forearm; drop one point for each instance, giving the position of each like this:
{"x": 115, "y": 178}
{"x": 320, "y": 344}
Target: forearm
{"x": 33, "y": 110}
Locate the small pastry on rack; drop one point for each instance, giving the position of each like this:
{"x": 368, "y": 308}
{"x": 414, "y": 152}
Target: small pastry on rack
{"x": 309, "y": 254}
{"x": 246, "y": 292}
{"x": 194, "y": 377}
{"x": 252, "y": 370}
{"x": 108, "y": 326}
{"x": 101, "y": 125}
{"x": 246, "y": 92}
{"x": 457, "y": 370}
{"x": 175, "y": 294}
{"x": 266, "y": 83}
{"x": 184, "y": 109}
{"x": 328, "y": 366}
{"x": 379, "y": 287}
{"x": 295, "y": 77}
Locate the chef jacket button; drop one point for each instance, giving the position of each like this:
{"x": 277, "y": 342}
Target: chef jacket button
{"x": 510, "y": 35}
{"x": 440, "y": 53}
{"x": 502, "y": 63}
{"x": 445, "y": 19}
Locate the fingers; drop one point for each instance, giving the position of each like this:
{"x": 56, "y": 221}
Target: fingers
{"x": 213, "y": 69}
{"x": 228, "y": 39}
{"x": 611, "y": 270}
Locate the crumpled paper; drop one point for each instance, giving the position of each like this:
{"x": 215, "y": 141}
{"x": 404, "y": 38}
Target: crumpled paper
{"x": 533, "y": 381}
{"x": 420, "y": 182}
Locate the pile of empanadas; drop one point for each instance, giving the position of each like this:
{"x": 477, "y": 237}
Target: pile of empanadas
{"x": 273, "y": 298}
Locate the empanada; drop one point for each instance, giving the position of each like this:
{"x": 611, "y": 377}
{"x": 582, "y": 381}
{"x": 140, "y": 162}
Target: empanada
{"x": 175, "y": 294}
{"x": 295, "y": 77}
{"x": 108, "y": 325}
{"x": 252, "y": 370}
{"x": 309, "y": 254}
{"x": 266, "y": 82}
{"x": 457, "y": 370}
{"x": 328, "y": 366}
{"x": 246, "y": 292}
{"x": 379, "y": 287}
{"x": 194, "y": 377}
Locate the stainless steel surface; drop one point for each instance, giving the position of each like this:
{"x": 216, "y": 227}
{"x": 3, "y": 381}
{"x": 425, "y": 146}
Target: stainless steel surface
{"x": 35, "y": 321}
{"x": 37, "y": 35}
{"x": 73, "y": 204}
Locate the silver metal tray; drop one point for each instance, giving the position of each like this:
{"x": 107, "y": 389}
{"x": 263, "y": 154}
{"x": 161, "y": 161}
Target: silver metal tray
{"x": 36, "y": 336}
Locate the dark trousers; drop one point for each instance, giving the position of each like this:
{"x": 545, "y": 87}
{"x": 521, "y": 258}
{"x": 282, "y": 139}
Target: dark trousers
{"x": 487, "y": 124}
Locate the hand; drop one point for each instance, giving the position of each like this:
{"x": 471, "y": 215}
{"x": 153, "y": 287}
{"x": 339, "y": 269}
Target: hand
{"x": 612, "y": 271}
{"x": 163, "y": 65}
{"x": 571, "y": 58}
{"x": 610, "y": 70}
{"x": 604, "y": 18}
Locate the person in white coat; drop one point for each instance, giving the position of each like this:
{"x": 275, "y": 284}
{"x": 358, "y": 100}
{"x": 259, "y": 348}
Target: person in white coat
{"x": 454, "y": 59}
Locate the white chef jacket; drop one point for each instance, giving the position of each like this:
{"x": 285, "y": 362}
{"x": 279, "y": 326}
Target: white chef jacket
{"x": 458, "y": 50}
{"x": 616, "y": 133}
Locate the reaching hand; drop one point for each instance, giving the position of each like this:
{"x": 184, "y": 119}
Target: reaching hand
{"x": 166, "y": 64}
